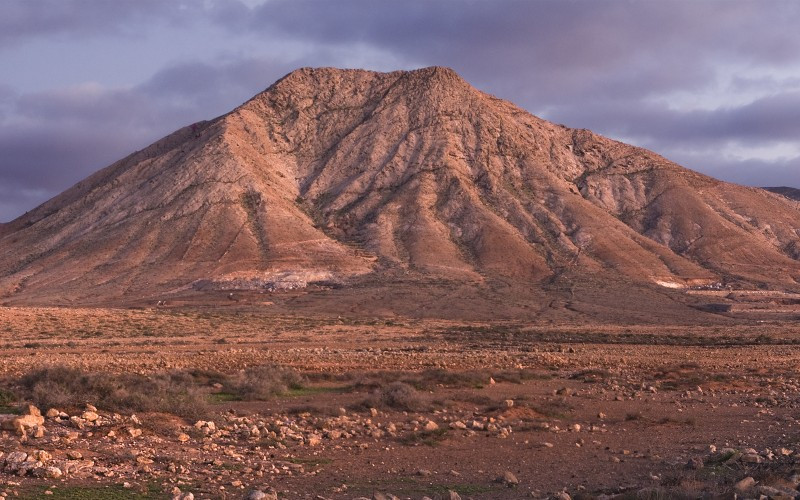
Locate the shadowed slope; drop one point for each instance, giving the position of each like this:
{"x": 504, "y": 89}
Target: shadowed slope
{"x": 788, "y": 192}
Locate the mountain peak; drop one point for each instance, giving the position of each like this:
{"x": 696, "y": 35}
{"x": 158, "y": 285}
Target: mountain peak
{"x": 311, "y": 78}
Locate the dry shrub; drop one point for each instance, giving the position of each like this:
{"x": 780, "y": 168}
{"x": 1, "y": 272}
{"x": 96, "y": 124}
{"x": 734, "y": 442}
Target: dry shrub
{"x": 398, "y": 396}
{"x": 262, "y": 382}
{"x": 63, "y": 387}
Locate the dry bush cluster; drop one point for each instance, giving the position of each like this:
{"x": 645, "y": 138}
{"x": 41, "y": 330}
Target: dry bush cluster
{"x": 183, "y": 393}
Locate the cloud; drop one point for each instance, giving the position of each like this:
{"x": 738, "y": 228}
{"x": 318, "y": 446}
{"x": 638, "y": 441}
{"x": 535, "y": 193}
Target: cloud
{"x": 749, "y": 172}
{"x": 555, "y": 49}
{"x": 772, "y": 119}
{"x": 50, "y": 140}
{"x": 687, "y": 79}
{"x": 26, "y": 20}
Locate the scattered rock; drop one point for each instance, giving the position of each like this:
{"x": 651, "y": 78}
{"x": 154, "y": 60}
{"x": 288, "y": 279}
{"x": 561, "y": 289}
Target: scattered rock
{"x": 509, "y": 479}
{"x": 90, "y": 416}
{"x": 745, "y": 484}
{"x": 431, "y": 426}
{"x": 21, "y": 424}
{"x": 260, "y": 495}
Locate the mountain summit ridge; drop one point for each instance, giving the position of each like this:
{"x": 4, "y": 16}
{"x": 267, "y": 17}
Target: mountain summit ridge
{"x": 329, "y": 175}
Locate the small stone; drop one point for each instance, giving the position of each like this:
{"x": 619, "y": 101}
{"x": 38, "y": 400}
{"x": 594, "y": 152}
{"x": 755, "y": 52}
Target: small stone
{"x": 48, "y": 472}
{"x": 373, "y": 412}
{"x": 452, "y": 495}
{"x": 509, "y": 403}
{"x": 74, "y": 455}
{"x": 29, "y": 419}
{"x": 492, "y": 381}
{"x": 745, "y": 484}
{"x": 90, "y": 416}
{"x": 431, "y": 426}
{"x": 134, "y": 432}
{"x": 53, "y": 413}
{"x": 183, "y": 437}
{"x": 260, "y": 495}
{"x": 509, "y": 479}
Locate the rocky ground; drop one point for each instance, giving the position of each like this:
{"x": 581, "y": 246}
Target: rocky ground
{"x": 411, "y": 409}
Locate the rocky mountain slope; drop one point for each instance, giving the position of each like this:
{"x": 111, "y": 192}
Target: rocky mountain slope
{"x": 336, "y": 176}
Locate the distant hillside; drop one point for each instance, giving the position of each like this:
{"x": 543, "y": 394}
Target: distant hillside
{"x": 786, "y": 191}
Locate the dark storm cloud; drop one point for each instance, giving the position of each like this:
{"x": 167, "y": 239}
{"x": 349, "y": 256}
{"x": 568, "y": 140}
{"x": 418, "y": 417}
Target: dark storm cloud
{"x": 748, "y": 172}
{"x": 25, "y": 20}
{"x": 553, "y": 49}
{"x": 613, "y": 67}
{"x": 50, "y": 140}
{"x": 769, "y": 120}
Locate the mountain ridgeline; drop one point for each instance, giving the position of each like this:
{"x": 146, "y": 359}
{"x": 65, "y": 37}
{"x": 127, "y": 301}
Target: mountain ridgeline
{"x": 356, "y": 177}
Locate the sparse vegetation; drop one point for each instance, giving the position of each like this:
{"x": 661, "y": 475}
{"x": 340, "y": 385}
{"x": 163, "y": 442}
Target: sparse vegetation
{"x": 63, "y": 387}
{"x": 262, "y": 382}
{"x": 396, "y": 395}
{"x": 187, "y": 394}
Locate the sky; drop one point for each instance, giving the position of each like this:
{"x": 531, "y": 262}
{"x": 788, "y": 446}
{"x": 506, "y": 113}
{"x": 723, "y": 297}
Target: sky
{"x": 713, "y": 85}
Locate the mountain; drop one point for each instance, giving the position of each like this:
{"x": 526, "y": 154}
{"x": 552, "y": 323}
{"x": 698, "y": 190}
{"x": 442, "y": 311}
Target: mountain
{"x": 359, "y": 180}
{"x": 788, "y": 192}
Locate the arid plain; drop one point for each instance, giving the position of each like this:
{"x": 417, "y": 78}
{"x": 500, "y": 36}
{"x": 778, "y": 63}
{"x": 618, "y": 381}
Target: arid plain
{"x": 369, "y": 285}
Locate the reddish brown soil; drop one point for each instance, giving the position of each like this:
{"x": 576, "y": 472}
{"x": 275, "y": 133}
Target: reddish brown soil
{"x": 726, "y": 386}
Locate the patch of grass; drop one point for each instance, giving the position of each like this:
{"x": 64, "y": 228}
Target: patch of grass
{"x": 428, "y": 438}
{"x": 8, "y": 401}
{"x": 311, "y": 461}
{"x": 677, "y": 421}
{"x": 432, "y": 378}
{"x": 107, "y": 492}
{"x": 469, "y": 489}
{"x": 552, "y": 409}
{"x": 591, "y": 376}
{"x": 222, "y": 397}
{"x": 297, "y": 392}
